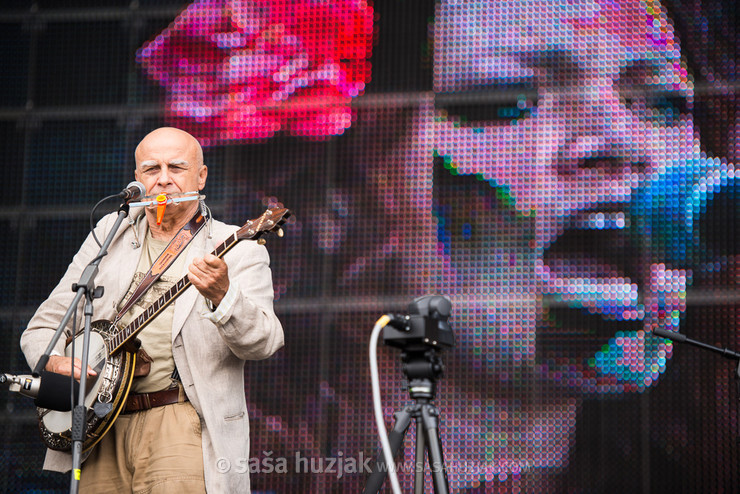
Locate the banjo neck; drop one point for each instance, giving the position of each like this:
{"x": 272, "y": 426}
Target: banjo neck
{"x": 271, "y": 220}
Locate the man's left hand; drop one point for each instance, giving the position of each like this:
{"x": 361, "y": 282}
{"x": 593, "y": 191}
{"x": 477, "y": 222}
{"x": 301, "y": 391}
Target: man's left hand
{"x": 210, "y": 276}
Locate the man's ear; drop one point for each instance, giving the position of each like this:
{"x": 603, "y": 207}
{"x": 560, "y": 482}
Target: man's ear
{"x": 202, "y": 175}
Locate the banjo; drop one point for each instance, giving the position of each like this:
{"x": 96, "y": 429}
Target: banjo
{"x": 113, "y": 353}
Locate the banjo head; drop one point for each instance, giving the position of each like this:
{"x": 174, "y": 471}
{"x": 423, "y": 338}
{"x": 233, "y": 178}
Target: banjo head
{"x": 105, "y": 391}
{"x": 58, "y": 422}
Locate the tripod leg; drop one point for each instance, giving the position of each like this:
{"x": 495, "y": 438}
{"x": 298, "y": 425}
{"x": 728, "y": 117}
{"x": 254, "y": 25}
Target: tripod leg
{"x": 430, "y": 423}
{"x": 395, "y": 438}
{"x": 419, "y": 464}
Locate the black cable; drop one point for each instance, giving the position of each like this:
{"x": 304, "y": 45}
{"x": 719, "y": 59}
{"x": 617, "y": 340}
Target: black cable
{"x": 92, "y": 213}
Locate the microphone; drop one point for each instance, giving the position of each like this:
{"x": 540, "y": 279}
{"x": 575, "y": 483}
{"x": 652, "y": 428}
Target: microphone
{"x": 133, "y": 191}
{"x": 50, "y": 391}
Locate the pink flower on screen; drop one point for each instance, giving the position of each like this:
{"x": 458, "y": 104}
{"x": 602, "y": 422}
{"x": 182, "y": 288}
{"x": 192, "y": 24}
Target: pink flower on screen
{"x": 244, "y": 70}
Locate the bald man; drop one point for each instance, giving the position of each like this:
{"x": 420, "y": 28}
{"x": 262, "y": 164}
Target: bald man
{"x": 196, "y": 434}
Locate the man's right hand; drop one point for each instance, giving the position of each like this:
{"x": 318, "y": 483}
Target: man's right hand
{"x": 63, "y": 365}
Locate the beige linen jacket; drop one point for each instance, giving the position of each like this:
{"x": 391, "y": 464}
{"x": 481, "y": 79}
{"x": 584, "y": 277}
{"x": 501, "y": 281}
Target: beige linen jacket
{"x": 209, "y": 357}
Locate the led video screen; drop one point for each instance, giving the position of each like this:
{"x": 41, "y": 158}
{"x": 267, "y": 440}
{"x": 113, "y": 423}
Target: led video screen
{"x": 563, "y": 171}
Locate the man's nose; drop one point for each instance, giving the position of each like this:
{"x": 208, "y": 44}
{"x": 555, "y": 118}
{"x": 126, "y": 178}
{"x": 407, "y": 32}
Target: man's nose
{"x": 164, "y": 176}
{"x": 602, "y": 134}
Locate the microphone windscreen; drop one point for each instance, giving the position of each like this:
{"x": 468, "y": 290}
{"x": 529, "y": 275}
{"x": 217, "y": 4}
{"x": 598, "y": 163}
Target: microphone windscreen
{"x": 54, "y": 392}
{"x": 141, "y": 190}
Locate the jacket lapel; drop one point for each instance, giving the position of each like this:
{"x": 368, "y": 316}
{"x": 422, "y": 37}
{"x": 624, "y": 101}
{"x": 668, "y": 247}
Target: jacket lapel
{"x": 127, "y": 263}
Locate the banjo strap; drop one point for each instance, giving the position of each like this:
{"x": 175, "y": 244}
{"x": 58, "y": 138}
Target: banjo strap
{"x": 173, "y": 250}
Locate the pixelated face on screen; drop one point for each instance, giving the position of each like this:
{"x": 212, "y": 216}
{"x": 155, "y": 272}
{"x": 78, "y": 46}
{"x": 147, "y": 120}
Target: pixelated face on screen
{"x": 568, "y": 110}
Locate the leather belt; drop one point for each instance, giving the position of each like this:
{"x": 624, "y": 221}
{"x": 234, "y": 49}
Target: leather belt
{"x": 145, "y": 401}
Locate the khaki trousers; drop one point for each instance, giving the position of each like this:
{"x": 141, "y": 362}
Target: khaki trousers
{"x": 149, "y": 452}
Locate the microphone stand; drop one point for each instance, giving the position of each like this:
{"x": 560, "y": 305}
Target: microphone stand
{"x": 85, "y": 287}
{"x": 725, "y": 352}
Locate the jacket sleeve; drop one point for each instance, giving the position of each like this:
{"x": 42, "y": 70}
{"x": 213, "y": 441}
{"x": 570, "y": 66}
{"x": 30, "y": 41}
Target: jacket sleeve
{"x": 250, "y": 326}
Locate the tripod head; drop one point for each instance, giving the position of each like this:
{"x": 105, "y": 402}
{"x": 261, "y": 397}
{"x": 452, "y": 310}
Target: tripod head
{"x": 421, "y": 335}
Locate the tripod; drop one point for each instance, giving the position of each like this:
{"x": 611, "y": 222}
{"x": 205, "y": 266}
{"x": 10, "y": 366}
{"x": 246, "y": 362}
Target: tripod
{"x": 422, "y": 367}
